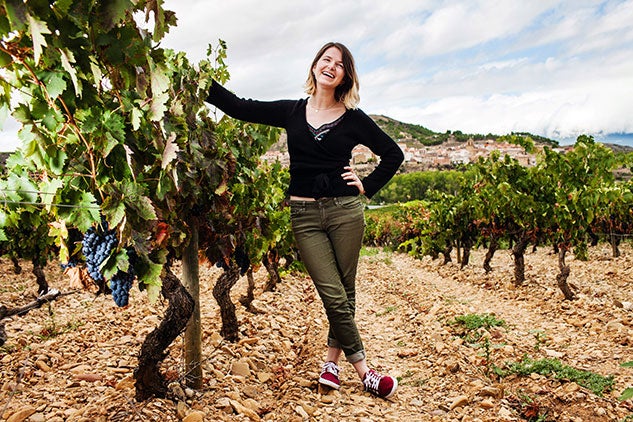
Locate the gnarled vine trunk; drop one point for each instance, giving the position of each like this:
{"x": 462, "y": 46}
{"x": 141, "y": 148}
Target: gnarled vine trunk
{"x": 17, "y": 269}
{"x": 40, "y": 278}
{"x": 222, "y": 294}
{"x": 247, "y": 299}
{"x": 467, "y": 245}
{"x": 447, "y": 253}
{"x": 149, "y": 381}
{"x": 561, "y": 278}
{"x": 615, "y": 242}
{"x": 494, "y": 245}
{"x": 518, "y": 252}
{"x": 273, "y": 273}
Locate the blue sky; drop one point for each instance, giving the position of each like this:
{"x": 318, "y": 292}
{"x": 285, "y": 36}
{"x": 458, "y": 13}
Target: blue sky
{"x": 552, "y": 68}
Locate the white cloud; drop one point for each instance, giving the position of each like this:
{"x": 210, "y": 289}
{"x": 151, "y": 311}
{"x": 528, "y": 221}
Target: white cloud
{"x": 8, "y": 136}
{"x": 548, "y": 66}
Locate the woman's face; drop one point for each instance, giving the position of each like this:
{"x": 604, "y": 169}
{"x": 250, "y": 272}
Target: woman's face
{"x": 329, "y": 70}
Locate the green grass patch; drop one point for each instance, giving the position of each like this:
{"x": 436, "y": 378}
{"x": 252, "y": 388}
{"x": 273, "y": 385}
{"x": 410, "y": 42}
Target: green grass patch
{"x": 365, "y": 251}
{"x": 554, "y": 368}
{"x": 387, "y": 310}
{"x": 408, "y": 378}
{"x": 468, "y": 326}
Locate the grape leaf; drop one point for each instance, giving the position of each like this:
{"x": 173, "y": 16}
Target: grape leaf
{"x": 170, "y": 152}
{"x": 38, "y": 30}
{"x": 158, "y": 107}
{"x": 68, "y": 59}
{"x": 114, "y": 12}
{"x": 5, "y": 59}
{"x": 49, "y": 191}
{"x": 55, "y": 85}
{"x": 62, "y": 5}
{"x": 86, "y": 212}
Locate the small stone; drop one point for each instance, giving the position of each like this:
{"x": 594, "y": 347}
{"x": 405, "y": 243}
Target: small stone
{"x": 243, "y": 410}
{"x": 42, "y": 366}
{"x": 88, "y": 377}
{"x": 459, "y": 401}
{"x": 486, "y": 404}
{"x": 264, "y": 376}
{"x": 600, "y": 411}
{"x": 505, "y": 414}
{"x": 223, "y": 402}
{"x": 305, "y": 383}
{"x": 554, "y": 354}
{"x": 253, "y": 405}
{"x": 196, "y": 416}
{"x": 508, "y": 349}
{"x": 327, "y": 399}
{"x": 216, "y": 339}
{"x": 181, "y": 410}
{"x": 21, "y": 415}
{"x": 241, "y": 368}
{"x": 489, "y": 391}
{"x": 310, "y": 410}
{"x": 301, "y": 412}
{"x": 250, "y": 391}
{"x": 37, "y": 417}
{"x": 571, "y": 387}
{"x": 125, "y": 383}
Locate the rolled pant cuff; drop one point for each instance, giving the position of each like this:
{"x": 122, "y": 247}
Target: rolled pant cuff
{"x": 353, "y": 358}
{"x": 356, "y": 357}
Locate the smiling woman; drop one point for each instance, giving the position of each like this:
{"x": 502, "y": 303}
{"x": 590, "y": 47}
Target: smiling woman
{"x": 326, "y": 211}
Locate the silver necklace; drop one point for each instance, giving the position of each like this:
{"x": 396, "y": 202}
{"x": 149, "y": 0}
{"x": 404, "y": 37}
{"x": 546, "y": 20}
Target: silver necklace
{"x": 316, "y": 110}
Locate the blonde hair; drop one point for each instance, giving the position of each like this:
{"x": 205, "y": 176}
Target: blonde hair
{"x": 347, "y": 91}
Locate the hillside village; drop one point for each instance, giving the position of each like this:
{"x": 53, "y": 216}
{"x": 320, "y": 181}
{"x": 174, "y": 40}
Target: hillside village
{"x": 443, "y": 156}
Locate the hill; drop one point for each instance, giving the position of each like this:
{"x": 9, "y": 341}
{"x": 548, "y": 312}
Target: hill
{"x": 415, "y": 135}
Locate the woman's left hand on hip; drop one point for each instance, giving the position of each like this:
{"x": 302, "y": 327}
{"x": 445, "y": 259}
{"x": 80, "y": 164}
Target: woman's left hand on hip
{"x": 353, "y": 179}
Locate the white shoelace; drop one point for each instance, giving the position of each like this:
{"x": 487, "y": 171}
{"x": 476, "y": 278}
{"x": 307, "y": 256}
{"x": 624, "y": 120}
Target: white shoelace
{"x": 372, "y": 380}
{"x": 330, "y": 367}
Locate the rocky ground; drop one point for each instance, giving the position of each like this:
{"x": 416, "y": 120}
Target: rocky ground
{"x": 73, "y": 360}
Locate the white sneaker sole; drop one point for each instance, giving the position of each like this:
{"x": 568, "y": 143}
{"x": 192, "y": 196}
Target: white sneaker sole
{"x": 330, "y": 384}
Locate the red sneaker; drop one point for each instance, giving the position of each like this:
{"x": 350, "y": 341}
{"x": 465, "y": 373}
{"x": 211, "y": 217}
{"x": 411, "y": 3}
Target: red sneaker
{"x": 380, "y": 385}
{"x": 329, "y": 375}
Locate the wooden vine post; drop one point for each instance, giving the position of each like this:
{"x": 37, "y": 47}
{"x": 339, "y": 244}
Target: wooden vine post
{"x": 193, "y": 332}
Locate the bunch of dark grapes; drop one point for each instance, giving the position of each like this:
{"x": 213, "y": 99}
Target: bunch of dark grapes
{"x": 69, "y": 264}
{"x": 97, "y": 248}
{"x": 242, "y": 260}
{"x": 120, "y": 284}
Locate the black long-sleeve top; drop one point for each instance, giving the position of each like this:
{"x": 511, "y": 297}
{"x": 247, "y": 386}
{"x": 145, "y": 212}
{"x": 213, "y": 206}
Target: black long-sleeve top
{"x": 316, "y": 166}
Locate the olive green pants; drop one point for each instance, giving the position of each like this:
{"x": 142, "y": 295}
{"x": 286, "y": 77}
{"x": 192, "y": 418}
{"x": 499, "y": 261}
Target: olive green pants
{"x": 329, "y": 234}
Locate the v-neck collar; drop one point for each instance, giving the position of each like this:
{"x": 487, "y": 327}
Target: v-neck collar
{"x": 314, "y": 132}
